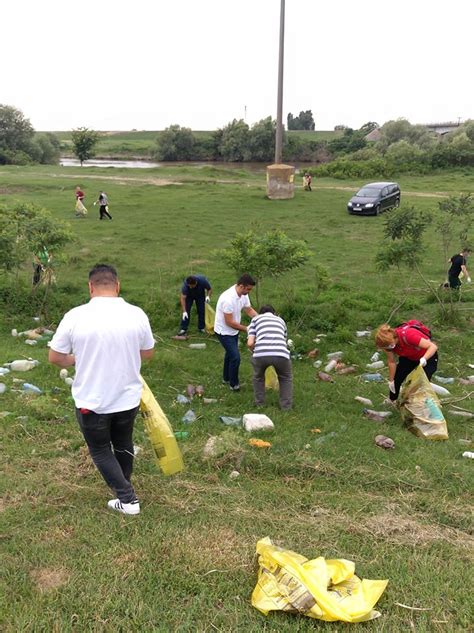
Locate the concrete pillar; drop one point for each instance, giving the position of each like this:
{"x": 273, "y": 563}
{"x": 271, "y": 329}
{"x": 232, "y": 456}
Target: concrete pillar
{"x": 280, "y": 182}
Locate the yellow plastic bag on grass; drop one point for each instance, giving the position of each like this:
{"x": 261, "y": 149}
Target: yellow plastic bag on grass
{"x": 209, "y": 318}
{"x": 271, "y": 379}
{"x": 420, "y": 407}
{"x": 321, "y": 589}
{"x": 166, "y": 449}
{"x": 80, "y": 208}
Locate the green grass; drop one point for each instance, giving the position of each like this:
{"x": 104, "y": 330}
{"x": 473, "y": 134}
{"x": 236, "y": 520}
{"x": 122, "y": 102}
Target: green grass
{"x": 188, "y": 561}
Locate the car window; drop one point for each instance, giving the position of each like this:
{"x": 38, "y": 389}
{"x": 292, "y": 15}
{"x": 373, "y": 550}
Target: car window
{"x": 385, "y": 191}
{"x": 368, "y": 192}
{"x": 393, "y": 189}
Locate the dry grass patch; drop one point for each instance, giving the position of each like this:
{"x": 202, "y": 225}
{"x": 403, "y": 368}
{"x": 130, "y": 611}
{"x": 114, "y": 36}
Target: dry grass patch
{"x": 47, "y": 578}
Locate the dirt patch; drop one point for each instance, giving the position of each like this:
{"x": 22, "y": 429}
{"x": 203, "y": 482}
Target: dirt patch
{"x": 48, "y": 579}
{"x": 124, "y": 180}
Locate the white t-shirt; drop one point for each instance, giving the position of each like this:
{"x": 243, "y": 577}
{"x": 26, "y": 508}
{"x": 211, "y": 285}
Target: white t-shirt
{"x": 106, "y": 336}
{"x": 229, "y": 303}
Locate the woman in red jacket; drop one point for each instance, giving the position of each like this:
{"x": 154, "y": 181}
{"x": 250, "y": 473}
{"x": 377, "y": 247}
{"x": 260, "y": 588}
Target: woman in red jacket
{"x": 412, "y": 343}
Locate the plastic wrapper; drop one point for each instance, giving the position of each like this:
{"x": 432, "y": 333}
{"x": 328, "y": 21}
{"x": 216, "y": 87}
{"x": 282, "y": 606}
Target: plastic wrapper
{"x": 322, "y": 589}
{"x": 420, "y": 407}
{"x": 209, "y": 318}
{"x": 271, "y": 379}
{"x": 166, "y": 449}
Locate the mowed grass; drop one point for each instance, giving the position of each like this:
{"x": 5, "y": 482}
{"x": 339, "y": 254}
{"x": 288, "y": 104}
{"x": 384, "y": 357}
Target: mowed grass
{"x": 188, "y": 561}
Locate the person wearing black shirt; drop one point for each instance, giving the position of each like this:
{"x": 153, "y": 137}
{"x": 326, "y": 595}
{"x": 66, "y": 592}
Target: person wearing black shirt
{"x": 458, "y": 265}
{"x": 195, "y": 289}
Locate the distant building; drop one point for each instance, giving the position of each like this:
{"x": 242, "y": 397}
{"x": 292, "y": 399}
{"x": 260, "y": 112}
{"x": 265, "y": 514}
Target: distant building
{"x": 373, "y": 136}
{"x": 442, "y": 128}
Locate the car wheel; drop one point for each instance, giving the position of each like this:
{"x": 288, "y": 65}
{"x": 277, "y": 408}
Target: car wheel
{"x": 397, "y": 203}
{"x": 377, "y": 210}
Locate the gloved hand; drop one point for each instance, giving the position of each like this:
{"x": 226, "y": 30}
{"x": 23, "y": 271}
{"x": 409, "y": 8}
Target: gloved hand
{"x": 185, "y": 316}
{"x": 423, "y": 361}
{"x": 391, "y": 385}
{"x": 208, "y": 299}
{"x": 468, "y": 280}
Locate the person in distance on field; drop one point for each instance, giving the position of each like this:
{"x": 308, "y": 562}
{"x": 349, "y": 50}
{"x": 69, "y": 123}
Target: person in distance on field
{"x": 458, "y": 264}
{"x": 195, "y": 289}
{"x": 103, "y": 202}
{"x": 412, "y": 343}
{"x": 81, "y": 210}
{"x": 307, "y": 180}
{"x": 106, "y": 340}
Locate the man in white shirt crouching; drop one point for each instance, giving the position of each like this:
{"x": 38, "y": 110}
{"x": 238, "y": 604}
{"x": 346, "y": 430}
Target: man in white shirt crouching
{"x": 106, "y": 339}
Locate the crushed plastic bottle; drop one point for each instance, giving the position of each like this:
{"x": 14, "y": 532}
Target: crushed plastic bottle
{"x": 69, "y": 381}
{"x": 4, "y": 371}
{"x": 180, "y": 399}
{"x": 30, "y": 341}
{"x": 15, "y": 332}
{"x": 331, "y": 365}
{"x": 361, "y": 333}
{"x": 378, "y": 364}
{"x": 229, "y": 421}
{"x": 441, "y": 391}
{"x": 188, "y": 417}
{"x": 375, "y": 357}
{"x": 197, "y": 346}
{"x": 372, "y": 377}
{"x": 22, "y": 365}
{"x": 468, "y": 454}
{"x": 3, "y": 387}
{"x": 335, "y": 355}
{"x": 317, "y": 364}
{"x": 365, "y": 401}
{"x": 443, "y": 380}
{"x": 31, "y": 388}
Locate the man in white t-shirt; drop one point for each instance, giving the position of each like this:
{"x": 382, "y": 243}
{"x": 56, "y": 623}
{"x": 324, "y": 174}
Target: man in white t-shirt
{"x": 106, "y": 340}
{"x": 227, "y": 325}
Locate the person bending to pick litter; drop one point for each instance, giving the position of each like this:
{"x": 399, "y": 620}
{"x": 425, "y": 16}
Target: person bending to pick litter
{"x": 195, "y": 289}
{"x": 458, "y": 265}
{"x": 227, "y": 326}
{"x": 103, "y": 206}
{"x": 412, "y": 343}
{"x": 106, "y": 339}
{"x": 267, "y": 340}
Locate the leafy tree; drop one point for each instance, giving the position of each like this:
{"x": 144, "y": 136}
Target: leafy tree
{"x": 233, "y": 141}
{"x": 368, "y": 127}
{"x": 261, "y": 142}
{"x": 84, "y": 142}
{"x": 454, "y": 221}
{"x": 175, "y": 143}
{"x": 304, "y": 121}
{"x": 350, "y": 141}
{"x": 403, "y": 155}
{"x": 264, "y": 255}
{"x": 16, "y": 134}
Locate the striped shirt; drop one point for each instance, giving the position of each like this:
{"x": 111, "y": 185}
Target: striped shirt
{"x": 270, "y": 335}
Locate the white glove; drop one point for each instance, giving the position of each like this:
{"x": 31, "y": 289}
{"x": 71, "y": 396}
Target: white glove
{"x": 391, "y": 385}
{"x": 423, "y": 361}
{"x": 468, "y": 280}
{"x": 185, "y": 316}
{"x": 208, "y": 299}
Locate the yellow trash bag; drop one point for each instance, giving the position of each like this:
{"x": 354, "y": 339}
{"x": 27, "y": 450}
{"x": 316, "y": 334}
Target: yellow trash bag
{"x": 271, "y": 379}
{"x": 80, "y": 208}
{"x": 420, "y": 407}
{"x": 210, "y": 317}
{"x": 321, "y": 589}
{"x": 167, "y": 453}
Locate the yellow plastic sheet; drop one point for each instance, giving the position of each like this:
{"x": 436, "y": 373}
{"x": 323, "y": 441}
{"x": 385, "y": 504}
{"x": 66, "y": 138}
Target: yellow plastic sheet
{"x": 321, "y": 589}
{"x": 80, "y": 208}
{"x": 209, "y": 318}
{"x": 271, "y": 379}
{"x": 166, "y": 449}
{"x": 420, "y": 407}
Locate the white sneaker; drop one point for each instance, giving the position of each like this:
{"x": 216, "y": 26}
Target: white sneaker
{"x": 125, "y": 508}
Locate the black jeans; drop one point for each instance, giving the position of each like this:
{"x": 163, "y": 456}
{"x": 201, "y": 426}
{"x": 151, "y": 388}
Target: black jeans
{"x": 200, "y": 302}
{"x": 103, "y": 212}
{"x": 109, "y": 439}
{"x": 406, "y": 366}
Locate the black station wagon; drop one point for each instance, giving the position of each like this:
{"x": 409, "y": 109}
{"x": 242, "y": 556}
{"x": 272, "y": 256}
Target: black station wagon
{"x": 374, "y": 198}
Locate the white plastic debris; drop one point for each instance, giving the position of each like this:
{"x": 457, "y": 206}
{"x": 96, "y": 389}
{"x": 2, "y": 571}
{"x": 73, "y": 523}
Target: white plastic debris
{"x": 4, "y": 371}
{"x": 15, "y": 332}
{"x": 257, "y": 422}
{"x": 3, "y": 387}
{"x": 22, "y": 365}
{"x": 378, "y": 364}
{"x": 331, "y": 365}
{"x": 234, "y": 474}
{"x": 468, "y": 454}
{"x": 361, "y": 333}
{"x": 375, "y": 357}
{"x": 335, "y": 355}
{"x": 366, "y": 401}
{"x": 31, "y": 342}
{"x": 441, "y": 391}
{"x": 197, "y": 346}
{"x": 69, "y": 381}
{"x": 290, "y": 343}
{"x": 63, "y": 374}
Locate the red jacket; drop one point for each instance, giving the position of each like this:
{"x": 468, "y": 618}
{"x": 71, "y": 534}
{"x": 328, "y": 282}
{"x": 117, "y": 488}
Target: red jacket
{"x": 408, "y": 341}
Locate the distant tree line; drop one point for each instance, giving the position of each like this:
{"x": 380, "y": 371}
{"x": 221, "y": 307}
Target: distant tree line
{"x": 20, "y": 144}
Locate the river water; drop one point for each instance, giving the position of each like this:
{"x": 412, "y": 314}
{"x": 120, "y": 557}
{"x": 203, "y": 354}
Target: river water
{"x": 145, "y": 164}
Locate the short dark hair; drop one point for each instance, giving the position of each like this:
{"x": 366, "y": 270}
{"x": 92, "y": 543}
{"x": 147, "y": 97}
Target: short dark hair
{"x": 246, "y": 280}
{"x": 467, "y": 249}
{"x": 267, "y": 308}
{"x": 191, "y": 280}
{"x": 103, "y": 275}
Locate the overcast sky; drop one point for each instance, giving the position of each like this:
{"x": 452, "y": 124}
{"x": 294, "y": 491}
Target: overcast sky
{"x": 146, "y": 64}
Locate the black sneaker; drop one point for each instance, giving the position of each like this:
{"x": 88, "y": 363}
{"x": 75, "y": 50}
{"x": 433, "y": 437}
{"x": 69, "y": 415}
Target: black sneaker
{"x": 234, "y": 388}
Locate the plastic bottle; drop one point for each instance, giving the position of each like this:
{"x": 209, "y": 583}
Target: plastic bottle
{"x": 31, "y": 341}
{"x": 15, "y": 332}
{"x": 372, "y": 377}
{"x": 3, "y": 387}
{"x": 189, "y": 416}
{"x": 443, "y": 380}
{"x": 375, "y": 357}
{"x": 330, "y": 366}
{"x": 468, "y": 454}
{"x": 441, "y": 391}
{"x": 180, "y": 399}
{"x": 378, "y": 364}
{"x": 23, "y": 365}
{"x": 63, "y": 374}
{"x": 31, "y": 388}
{"x": 181, "y": 435}
{"x": 4, "y": 371}
{"x": 68, "y": 380}
{"x": 317, "y": 364}
{"x": 197, "y": 346}
{"x": 335, "y": 355}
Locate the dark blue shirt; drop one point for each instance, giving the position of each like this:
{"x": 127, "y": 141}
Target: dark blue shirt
{"x": 199, "y": 290}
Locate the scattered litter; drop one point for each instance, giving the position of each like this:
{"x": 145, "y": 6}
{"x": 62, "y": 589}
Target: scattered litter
{"x": 331, "y": 365}
{"x": 209, "y": 400}
{"x": 257, "y": 422}
{"x": 69, "y": 381}
{"x": 373, "y": 415}
{"x": 188, "y": 417}
{"x": 420, "y": 408}
{"x": 463, "y": 414}
{"x": 317, "y": 363}
{"x": 63, "y": 374}
{"x": 375, "y": 357}
{"x": 3, "y": 414}
{"x": 441, "y": 391}
{"x": 322, "y": 589}
{"x": 470, "y": 365}
{"x": 36, "y": 319}
{"x": 229, "y": 421}
{"x": 4, "y": 371}
{"x": 466, "y": 442}
{"x": 321, "y": 335}
{"x": 325, "y": 377}
{"x": 443, "y": 380}
{"x": 22, "y": 365}
{"x": 468, "y": 454}
{"x": 137, "y": 449}
{"x": 290, "y": 343}
{"x": 15, "y": 332}
{"x": 469, "y": 381}
{"x": 234, "y": 474}
{"x": 315, "y": 430}
{"x": 378, "y": 364}
{"x": 180, "y": 399}
{"x": 361, "y": 333}
{"x": 372, "y": 377}
{"x": 335, "y": 355}
{"x": 3, "y": 387}
{"x": 384, "y": 442}
{"x": 179, "y": 337}
{"x": 197, "y": 346}
{"x": 316, "y": 340}
{"x": 199, "y": 391}
{"x": 31, "y": 388}
{"x": 343, "y": 371}
{"x": 181, "y": 435}
{"x": 31, "y": 342}
{"x": 313, "y": 353}
{"x": 382, "y": 414}
{"x": 259, "y": 443}
{"x": 365, "y": 401}
{"x": 190, "y": 391}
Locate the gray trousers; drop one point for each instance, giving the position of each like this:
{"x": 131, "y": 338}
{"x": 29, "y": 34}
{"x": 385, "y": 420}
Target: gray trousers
{"x": 285, "y": 378}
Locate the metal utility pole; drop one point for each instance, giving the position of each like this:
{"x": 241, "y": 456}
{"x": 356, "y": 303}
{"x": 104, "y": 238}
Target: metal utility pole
{"x": 279, "y": 123}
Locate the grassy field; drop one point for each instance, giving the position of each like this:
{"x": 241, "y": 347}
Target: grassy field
{"x": 142, "y": 143}
{"x": 188, "y": 561}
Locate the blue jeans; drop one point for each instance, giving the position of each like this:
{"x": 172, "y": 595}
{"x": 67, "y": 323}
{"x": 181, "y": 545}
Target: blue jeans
{"x": 109, "y": 439}
{"x": 231, "y": 359}
{"x": 200, "y": 301}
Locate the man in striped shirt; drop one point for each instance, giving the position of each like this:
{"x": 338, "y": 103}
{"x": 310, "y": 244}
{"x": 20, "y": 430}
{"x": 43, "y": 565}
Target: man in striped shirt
{"x": 267, "y": 339}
